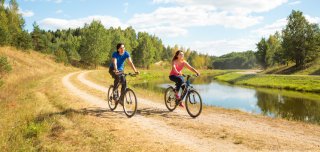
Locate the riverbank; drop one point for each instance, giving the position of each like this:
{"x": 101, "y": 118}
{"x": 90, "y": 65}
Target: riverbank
{"x": 302, "y": 83}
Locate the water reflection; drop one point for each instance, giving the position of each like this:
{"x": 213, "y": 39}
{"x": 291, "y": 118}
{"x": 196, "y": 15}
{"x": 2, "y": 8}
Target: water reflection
{"x": 273, "y": 103}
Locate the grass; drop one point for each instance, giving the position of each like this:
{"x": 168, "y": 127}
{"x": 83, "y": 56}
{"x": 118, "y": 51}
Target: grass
{"x": 36, "y": 113}
{"x": 312, "y": 68}
{"x": 292, "y": 82}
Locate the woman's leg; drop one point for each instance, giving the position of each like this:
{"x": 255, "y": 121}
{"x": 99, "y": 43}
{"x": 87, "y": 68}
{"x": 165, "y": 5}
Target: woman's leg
{"x": 178, "y": 80}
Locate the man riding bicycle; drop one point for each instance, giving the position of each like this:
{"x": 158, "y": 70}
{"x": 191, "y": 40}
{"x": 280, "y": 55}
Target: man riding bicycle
{"x": 117, "y": 67}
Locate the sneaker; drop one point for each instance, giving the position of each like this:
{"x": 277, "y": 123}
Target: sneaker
{"x": 181, "y": 105}
{"x": 177, "y": 96}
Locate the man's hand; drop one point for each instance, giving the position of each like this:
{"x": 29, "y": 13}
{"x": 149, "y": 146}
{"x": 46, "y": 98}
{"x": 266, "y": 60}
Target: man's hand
{"x": 137, "y": 72}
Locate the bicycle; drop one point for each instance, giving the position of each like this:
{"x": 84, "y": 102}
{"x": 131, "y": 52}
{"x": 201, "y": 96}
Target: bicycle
{"x": 114, "y": 98}
{"x": 193, "y": 99}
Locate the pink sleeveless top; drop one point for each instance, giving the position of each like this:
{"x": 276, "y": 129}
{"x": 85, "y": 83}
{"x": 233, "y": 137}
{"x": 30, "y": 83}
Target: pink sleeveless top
{"x": 179, "y": 68}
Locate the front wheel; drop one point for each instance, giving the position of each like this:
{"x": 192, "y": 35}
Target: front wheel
{"x": 170, "y": 99}
{"x": 194, "y": 103}
{"x": 112, "y": 99}
{"x": 130, "y": 103}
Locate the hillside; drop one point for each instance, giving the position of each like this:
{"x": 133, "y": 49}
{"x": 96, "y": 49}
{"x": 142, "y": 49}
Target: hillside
{"x": 312, "y": 68}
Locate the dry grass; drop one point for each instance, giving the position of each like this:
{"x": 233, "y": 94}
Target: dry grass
{"x": 38, "y": 114}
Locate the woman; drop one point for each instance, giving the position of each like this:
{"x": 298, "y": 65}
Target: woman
{"x": 117, "y": 66}
{"x": 178, "y": 64}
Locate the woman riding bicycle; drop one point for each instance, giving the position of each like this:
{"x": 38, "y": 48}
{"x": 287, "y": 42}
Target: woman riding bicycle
{"x": 117, "y": 66}
{"x": 178, "y": 64}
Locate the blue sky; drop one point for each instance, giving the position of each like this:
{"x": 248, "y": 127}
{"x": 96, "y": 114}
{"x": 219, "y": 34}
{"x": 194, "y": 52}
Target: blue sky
{"x": 215, "y": 27}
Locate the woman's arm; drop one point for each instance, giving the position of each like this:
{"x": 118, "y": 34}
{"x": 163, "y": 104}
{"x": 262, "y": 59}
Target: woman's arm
{"x": 191, "y": 68}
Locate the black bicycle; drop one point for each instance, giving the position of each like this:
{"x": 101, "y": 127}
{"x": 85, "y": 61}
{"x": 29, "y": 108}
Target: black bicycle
{"x": 193, "y": 99}
{"x": 129, "y": 100}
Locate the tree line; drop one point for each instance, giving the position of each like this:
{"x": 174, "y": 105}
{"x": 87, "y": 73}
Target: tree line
{"x": 93, "y": 44}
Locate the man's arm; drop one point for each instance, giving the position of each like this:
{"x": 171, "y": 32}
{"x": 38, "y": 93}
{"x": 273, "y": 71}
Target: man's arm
{"x": 132, "y": 65}
{"x": 114, "y": 61}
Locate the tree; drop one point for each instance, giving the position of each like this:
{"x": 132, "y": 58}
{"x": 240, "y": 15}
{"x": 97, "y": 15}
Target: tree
{"x": 24, "y": 41}
{"x": 94, "y": 44}
{"x": 261, "y": 53}
{"x": 299, "y": 39}
{"x": 4, "y": 31}
{"x": 15, "y": 22}
{"x": 144, "y": 54}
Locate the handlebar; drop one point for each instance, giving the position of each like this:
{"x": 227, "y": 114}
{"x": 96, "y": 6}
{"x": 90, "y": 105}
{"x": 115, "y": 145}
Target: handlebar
{"x": 188, "y": 75}
{"x": 125, "y": 74}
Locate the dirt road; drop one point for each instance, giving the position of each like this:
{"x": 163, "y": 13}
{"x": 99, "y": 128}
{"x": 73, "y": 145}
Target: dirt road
{"x": 215, "y": 130}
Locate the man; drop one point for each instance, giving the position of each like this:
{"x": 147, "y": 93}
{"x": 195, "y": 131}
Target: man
{"x": 117, "y": 67}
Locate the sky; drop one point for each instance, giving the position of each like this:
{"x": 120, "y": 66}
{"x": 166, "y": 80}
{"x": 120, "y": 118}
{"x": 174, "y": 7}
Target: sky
{"x": 213, "y": 27}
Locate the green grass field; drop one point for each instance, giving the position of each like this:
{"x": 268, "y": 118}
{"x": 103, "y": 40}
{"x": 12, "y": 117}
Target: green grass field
{"x": 289, "y": 82}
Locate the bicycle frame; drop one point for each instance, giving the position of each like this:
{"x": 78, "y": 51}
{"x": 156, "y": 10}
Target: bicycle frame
{"x": 187, "y": 87}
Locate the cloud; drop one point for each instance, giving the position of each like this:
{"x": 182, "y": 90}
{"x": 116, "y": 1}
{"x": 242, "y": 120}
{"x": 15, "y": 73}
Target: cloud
{"x": 278, "y": 25}
{"x": 166, "y": 31}
{"x": 220, "y": 47}
{"x": 190, "y": 16}
{"x": 55, "y": 1}
{"x": 267, "y": 30}
{"x": 295, "y": 3}
{"x": 55, "y": 23}
{"x": 59, "y": 11}
{"x": 26, "y": 13}
{"x": 126, "y": 5}
{"x": 236, "y": 6}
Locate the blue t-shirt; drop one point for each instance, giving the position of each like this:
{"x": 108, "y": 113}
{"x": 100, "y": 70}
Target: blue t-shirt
{"x": 120, "y": 59}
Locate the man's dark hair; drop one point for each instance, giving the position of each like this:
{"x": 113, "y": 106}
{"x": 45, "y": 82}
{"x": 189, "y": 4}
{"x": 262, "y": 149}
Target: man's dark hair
{"x": 119, "y": 45}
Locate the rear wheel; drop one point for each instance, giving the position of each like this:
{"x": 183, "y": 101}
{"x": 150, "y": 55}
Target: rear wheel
{"x": 113, "y": 103}
{"x": 193, "y": 103}
{"x": 129, "y": 103}
{"x": 170, "y": 99}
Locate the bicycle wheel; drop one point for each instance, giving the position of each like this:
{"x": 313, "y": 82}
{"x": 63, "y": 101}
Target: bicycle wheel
{"x": 130, "y": 103}
{"x": 193, "y": 103}
{"x": 170, "y": 99}
{"x": 110, "y": 99}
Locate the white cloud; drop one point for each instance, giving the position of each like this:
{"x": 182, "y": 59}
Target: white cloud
{"x": 190, "y": 16}
{"x": 278, "y": 25}
{"x": 55, "y": 1}
{"x": 59, "y": 11}
{"x": 236, "y": 6}
{"x": 270, "y": 29}
{"x": 313, "y": 19}
{"x": 55, "y": 23}
{"x": 126, "y": 5}
{"x": 166, "y": 31}
{"x": 295, "y": 3}
{"x": 26, "y": 13}
{"x": 220, "y": 47}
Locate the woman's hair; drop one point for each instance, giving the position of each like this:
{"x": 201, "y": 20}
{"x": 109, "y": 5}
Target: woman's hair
{"x": 119, "y": 46}
{"x": 176, "y": 55}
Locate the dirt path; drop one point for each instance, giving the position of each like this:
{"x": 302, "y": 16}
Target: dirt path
{"x": 158, "y": 128}
{"x": 215, "y": 131}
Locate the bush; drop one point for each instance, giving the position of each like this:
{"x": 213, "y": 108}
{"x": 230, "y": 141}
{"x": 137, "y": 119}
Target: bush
{"x": 5, "y": 67}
